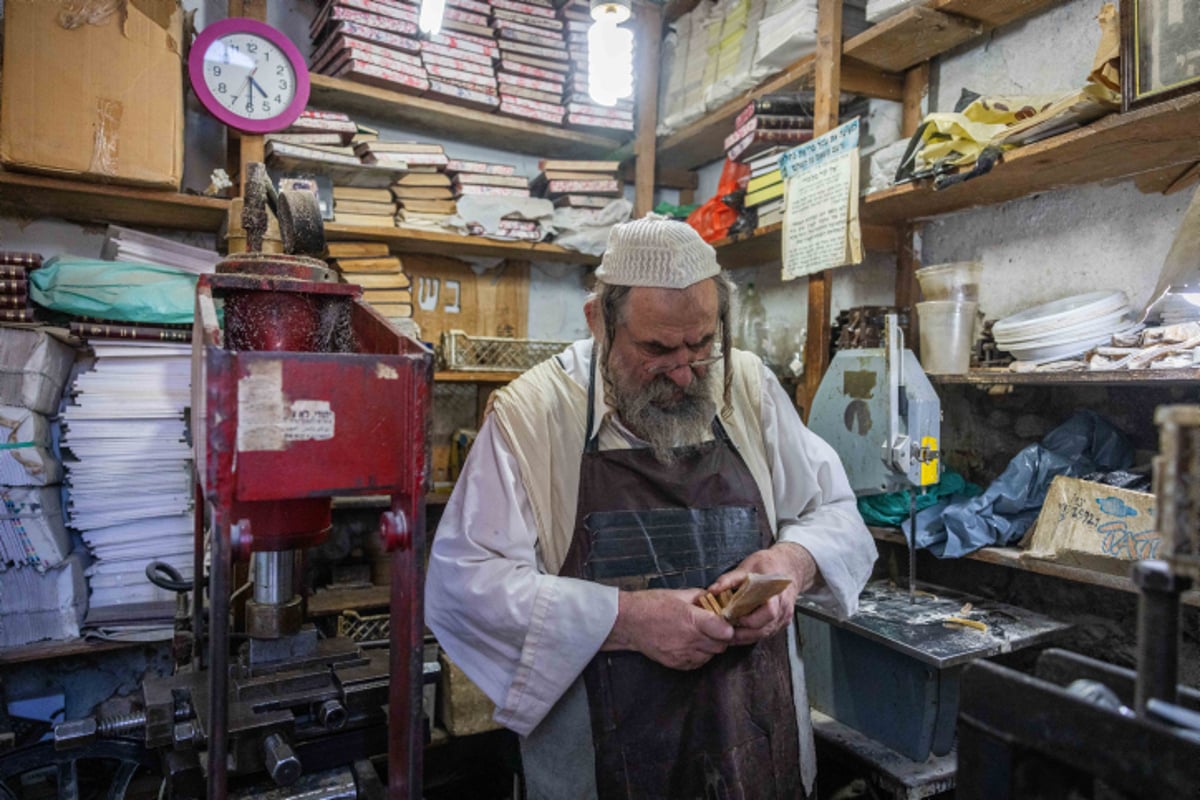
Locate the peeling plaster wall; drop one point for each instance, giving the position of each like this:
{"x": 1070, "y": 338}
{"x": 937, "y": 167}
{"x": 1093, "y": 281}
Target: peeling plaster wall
{"x": 1058, "y": 243}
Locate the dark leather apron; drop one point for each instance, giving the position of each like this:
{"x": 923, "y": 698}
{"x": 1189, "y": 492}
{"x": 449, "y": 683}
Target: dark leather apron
{"x": 728, "y": 729}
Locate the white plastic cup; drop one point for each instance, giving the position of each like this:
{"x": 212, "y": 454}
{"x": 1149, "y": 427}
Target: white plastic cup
{"x": 958, "y": 280}
{"x": 947, "y": 335}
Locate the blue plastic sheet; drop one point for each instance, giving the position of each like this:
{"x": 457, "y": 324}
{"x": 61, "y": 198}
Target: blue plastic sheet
{"x": 115, "y": 290}
{"x": 1000, "y": 516}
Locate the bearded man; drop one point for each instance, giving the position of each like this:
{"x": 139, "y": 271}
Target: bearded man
{"x": 608, "y": 488}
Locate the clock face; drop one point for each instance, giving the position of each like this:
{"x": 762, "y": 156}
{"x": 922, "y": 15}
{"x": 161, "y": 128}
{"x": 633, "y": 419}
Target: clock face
{"x": 249, "y": 75}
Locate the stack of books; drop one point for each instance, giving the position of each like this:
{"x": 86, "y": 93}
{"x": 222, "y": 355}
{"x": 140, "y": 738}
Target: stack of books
{"x": 773, "y": 119}
{"x": 578, "y": 184}
{"x": 321, "y": 136}
{"x": 486, "y": 178}
{"x": 460, "y": 59}
{"x": 405, "y": 156}
{"x": 132, "y": 246}
{"x": 381, "y": 275}
{"x": 369, "y": 41}
{"x": 353, "y": 205}
{"x": 15, "y": 305}
{"x": 423, "y": 199}
{"x": 43, "y": 605}
{"x": 764, "y": 191}
{"x": 533, "y": 59}
{"x": 582, "y": 112}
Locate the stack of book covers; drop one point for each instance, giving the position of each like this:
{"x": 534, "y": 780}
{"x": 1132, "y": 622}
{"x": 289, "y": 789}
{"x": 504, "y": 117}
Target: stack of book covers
{"x": 380, "y": 274}
{"x": 773, "y": 119}
{"x": 764, "y": 191}
{"x": 370, "y": 41}
{"x": 582, "y": 112}
{"x": 15, "y": 305}
{"x": 136, "y": 247}
{"x": 578, "y": 184}
{"x": 534, "y": 60}
{"x": 324, "y": 136}
{"x": 486, "y": 178}
{"x": 369, "y": 207}
{"x": 461, "y": 58}
{"x": 423, "y": 199}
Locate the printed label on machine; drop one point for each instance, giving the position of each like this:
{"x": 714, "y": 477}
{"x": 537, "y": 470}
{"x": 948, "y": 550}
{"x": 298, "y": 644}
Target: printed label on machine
{"x": 311, "y": 420}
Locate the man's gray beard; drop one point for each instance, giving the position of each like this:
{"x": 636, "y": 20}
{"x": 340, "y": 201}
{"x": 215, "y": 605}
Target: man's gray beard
{"x": 668, "y": 428}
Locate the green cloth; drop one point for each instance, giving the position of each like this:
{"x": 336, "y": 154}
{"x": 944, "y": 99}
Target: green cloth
{"x": 675, "y": 212}
{"x": 889, "y": 510}
{"x": 115, "y": 290}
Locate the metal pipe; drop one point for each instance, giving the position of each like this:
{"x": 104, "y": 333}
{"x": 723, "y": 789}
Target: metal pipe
{"x": 273, "y": 576}
{"x": 1158, "y": 633}
{"x": 198, "y": 579}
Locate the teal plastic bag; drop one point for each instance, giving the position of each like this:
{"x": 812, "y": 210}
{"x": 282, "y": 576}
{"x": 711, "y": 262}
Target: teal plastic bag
{"x": 115, "y": 290}
{"x": 889, "y": 510}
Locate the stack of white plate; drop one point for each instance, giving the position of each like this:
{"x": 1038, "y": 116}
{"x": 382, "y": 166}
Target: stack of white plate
{"x": 1065, "y": 328}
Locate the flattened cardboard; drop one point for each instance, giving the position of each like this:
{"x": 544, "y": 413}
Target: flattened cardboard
{"x": 121, "y": 122}
{"x": 1093, "y": 526}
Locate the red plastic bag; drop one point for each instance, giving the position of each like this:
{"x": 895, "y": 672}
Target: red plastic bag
{"x": 713, "y": 219}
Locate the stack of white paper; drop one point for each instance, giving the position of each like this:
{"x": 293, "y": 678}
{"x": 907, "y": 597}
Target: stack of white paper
{"x": 43, "y": 605}
{"x": 129, "y": 469}
{"x": 32, "y": 532}
{"x": 126, "y": 244}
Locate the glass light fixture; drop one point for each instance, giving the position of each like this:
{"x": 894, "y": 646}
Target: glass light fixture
{"x": 610, "y": 52}
{"x": 430, "y": 20}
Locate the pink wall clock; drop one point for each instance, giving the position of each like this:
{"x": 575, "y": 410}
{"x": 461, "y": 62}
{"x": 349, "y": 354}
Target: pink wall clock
{"x": 248, "y": 75}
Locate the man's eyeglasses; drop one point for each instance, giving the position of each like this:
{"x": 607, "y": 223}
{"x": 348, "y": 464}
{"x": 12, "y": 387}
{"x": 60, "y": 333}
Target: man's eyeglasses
{"x": 662, "y": 369}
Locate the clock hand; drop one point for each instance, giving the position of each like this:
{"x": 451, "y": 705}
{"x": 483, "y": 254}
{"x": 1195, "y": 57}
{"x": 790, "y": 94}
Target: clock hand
{"x": 254, "y": 83}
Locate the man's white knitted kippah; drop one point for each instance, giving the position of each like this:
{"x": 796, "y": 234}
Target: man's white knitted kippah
{"x": 656, "y": 251}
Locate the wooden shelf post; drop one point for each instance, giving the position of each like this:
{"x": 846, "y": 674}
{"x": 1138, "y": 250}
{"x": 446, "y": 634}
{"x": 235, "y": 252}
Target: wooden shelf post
{"x": 828, "y": 76}
{"x": 648, "y": 24}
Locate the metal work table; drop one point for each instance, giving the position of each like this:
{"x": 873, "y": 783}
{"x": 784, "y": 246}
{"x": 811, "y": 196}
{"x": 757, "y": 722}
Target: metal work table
{"x": 894, "y": 775}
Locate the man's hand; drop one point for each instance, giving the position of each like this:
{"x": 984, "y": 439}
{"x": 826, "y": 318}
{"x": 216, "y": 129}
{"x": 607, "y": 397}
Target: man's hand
{"x": 784, "y": 558}
{"x": 667, "y": 626}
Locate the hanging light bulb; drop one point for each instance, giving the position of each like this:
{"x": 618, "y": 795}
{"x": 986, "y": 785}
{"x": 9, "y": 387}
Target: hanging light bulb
{"x": 430, "y": 21}
{"x": 610, "y": 52}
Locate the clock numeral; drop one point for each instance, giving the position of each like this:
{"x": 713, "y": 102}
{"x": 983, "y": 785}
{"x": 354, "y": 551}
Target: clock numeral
{"x": 266, "y": 107}
{"x": 283, "y": 84}
{"x": 251, "y": 47}
{"x": 222, "y": 88}
{"x": 278, "y": 98}
{"x": 279, "y": 70}
{"x": 216, "y": 70}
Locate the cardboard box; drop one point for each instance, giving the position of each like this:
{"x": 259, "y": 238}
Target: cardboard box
{"x": 97, "y": 99}
{"x": 465, "y": 708}
{"x": 1097, "y": 527}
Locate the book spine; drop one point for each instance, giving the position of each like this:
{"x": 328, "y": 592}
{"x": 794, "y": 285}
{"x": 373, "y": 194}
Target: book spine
{"x": 471, "y": 44}
{"x": 432, "y": 61}
{"x": 598, "y": 122}
{"x": 8, "y": 300}
{"x": 358, "y": 49}
{"x": 390, "y": 77}
{"x": 411, "y": 159}
{"x": 479, "y": 59}
{"x": 584, "y": 187}
{"x": 533, "y": 50}
{"x": 543, "y": 23}
{"x": 491, "y": 180}
{"x": 335, "y": 116}
{"x": 470, "y": 5}
{"x": 532, "y": 72}
{"x": 16, "y": 315}
{"x": 533, "y": 105}
{"x": 284, "y": 150}
{"x": 589, "y": 110}
{"x": 780, "y": 105}
{"x": 487, "y": 82}
{"x": 394, "y": 11}
{"x": 145, "y": 333}
{"x": 464, "y": 94}
{"x": 14, "y": 271}
{"x": 525, "y": 8}
{"x": 16, "y": 284}
{"x": 479, "y": 167}
{"x": 367, "y": 33}
{"x": 314, "y": 125}
{"x": 507, "y": 191}
{"x": 459, "y": 15}
{"x": 399, "y": 27}
{"x": 386, "y": 62}
{"x": 530, "y": 83}
{"x": 518, "y": 35}
{"x": 744, "y": 115}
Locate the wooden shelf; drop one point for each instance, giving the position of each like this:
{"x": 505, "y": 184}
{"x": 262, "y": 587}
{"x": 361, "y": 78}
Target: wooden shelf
{"x": 702, "y": 142}
{"x": 1015, "y": 559}
{"x": 1129, "y": 377}
{"x": 449, "y": 376}
{"x": 31, "y": 196}
{"x": 327, "y": 602}
{"x": 436, "y": 118}
{"x": 406, "y": 240}
{"x": 763, "y": 246}
{"x": 41, "y": 651}
{"x": 1118, "y": 146}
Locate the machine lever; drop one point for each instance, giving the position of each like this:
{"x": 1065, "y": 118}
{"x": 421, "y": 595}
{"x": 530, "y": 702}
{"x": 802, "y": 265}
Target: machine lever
{"x": 393, "y": 527}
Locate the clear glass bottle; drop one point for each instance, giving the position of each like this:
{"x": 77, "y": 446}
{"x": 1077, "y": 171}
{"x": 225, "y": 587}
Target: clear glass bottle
{"x": 752, "y": 322}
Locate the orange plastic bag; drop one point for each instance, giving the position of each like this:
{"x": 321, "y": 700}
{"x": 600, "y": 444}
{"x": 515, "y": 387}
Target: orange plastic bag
{"x": 713, "y": 219}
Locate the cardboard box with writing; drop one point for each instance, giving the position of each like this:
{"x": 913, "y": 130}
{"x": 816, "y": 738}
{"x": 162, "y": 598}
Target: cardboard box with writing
{"x": 1094, "y": 526}
{"x": 94, "y": 96}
